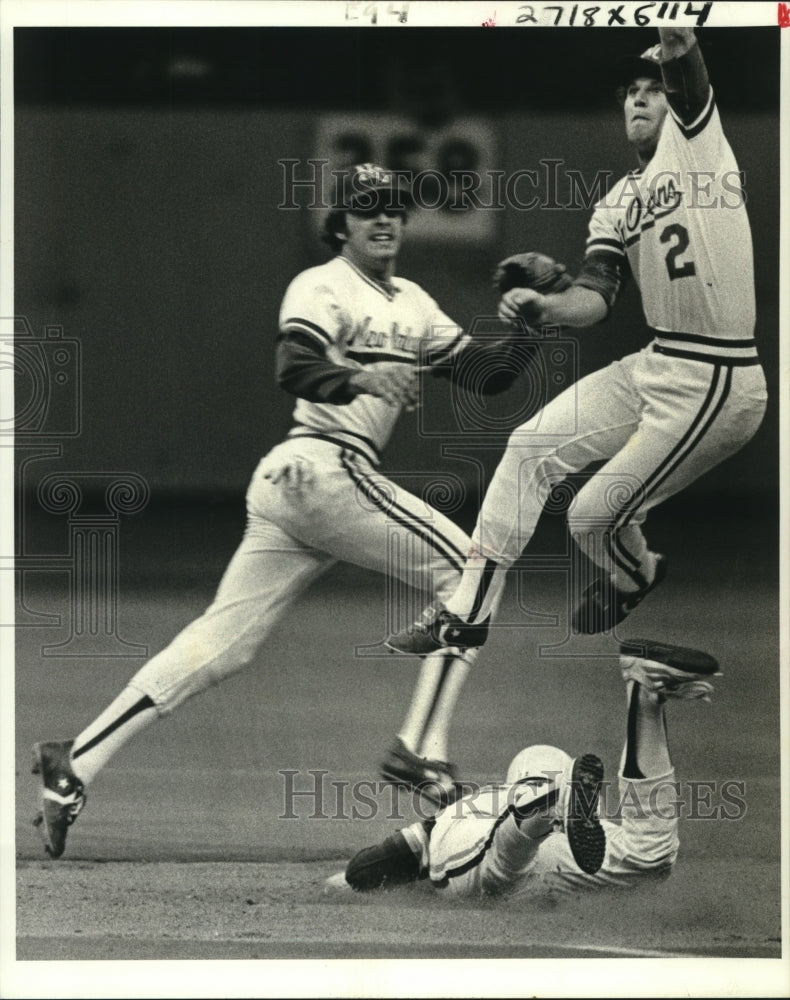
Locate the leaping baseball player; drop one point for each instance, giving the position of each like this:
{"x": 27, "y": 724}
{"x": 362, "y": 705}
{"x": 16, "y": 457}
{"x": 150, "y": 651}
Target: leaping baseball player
{"x": 353, "y": 337}
{"x": 542, "y": 831}
{"x": 660, "y": 418}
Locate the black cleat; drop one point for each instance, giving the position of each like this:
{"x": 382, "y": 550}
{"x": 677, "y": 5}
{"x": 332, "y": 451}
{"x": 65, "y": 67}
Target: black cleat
{"x": 437, "y": 628}
{"x": 602, "y": 605}
{"x": 434, "y": 780}
{"x": 586, "y": 837}
{"x": 668, "y": 671}
{"x": 62, "y": 794}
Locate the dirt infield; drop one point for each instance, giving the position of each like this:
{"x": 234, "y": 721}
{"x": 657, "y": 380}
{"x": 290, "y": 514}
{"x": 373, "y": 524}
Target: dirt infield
{"x": 193, "y": 844}
{"x": 156, "y": 910}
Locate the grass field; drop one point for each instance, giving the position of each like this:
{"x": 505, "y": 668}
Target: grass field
{"x": 184, "y": 850}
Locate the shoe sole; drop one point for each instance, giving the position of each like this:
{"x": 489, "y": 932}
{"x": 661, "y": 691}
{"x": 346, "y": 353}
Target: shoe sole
{"x": 39, "y": 821}
{"x": 586, "y": 837}
{"x": 692, "y": 661}
{"x": 393, "y": 648}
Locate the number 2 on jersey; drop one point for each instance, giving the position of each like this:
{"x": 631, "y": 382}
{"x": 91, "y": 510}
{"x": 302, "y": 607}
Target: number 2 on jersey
{"x": 675, "y": 269}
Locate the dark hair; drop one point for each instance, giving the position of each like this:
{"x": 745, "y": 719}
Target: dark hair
{"x": 334, "y": 223}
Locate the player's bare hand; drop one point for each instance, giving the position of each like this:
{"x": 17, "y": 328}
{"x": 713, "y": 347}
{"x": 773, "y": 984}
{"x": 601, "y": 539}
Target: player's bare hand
{"x": 395, "y": 382}
{"x": 521, "y": 304}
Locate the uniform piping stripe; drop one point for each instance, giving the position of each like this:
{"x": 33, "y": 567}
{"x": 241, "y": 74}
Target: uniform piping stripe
{"x": 406, "y": 517}
{"x": 725, "y": 392}
{"x": 372, "y": 454}
{"x": 307, "y": 326}
{"x": 482, "y": 588}
{"x": 544, "y": 802}
{"x": 447, "y": 661}
{"x": 728, "y": 360}
{"x": 442, "y": 353}
{"x": 631, "y": 764}
{"x": 623, "y": 559}
{"x": 140, "y": 706}
{"x": 388, "y": 293}
{"x": 702, "y": 422}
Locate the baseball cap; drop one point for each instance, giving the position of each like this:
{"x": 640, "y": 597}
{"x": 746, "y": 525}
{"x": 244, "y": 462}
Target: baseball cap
{"x": 366, "y": 185}
{"x": 631, "y": 67}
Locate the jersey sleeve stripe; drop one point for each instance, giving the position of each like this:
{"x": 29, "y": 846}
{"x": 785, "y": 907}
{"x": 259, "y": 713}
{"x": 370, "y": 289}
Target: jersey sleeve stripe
{"x": 692, "y": 130}
{"x": 442, "y": 352}
{"x": 305, "y": 326}
{"x": 597, "y": 243}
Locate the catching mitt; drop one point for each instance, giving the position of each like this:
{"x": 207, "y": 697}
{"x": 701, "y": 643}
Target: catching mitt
{"x": 531, "y": 270}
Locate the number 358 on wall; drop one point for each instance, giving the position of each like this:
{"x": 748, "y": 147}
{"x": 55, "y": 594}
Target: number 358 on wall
{"x": 450, "y": 168}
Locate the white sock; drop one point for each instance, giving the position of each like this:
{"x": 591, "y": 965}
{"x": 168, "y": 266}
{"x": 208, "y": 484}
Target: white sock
{"x": 425, "y": 728}
{"x": 127, "y": 715}
{"x": 477, "y": 595}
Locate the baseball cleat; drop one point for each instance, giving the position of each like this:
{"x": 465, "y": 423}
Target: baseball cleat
{"x": 437, "y": 628}
{"x": 434, "y": 780}
{"x": 586, "y": 836}
{"x": 62, "y": 794}
{"x": 602, "y": 605}
{"x": 668, "y": 671}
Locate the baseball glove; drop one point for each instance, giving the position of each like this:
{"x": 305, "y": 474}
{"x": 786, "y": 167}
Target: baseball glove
{"x": 531, "y": 270}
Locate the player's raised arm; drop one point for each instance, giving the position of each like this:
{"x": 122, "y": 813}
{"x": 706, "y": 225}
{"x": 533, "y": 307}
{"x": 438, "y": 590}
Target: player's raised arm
{"x": 685, "y": 75}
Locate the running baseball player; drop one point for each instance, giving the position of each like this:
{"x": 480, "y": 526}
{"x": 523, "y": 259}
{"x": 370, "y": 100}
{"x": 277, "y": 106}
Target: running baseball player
{"x": 502, "y": 840}
{"x": 353, "y": 339}
{"x": 660, "y": 418}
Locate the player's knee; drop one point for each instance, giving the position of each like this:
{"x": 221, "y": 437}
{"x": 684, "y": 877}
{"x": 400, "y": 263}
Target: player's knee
{"x": 656, "y": 861}
{"x": 390, "y": 863}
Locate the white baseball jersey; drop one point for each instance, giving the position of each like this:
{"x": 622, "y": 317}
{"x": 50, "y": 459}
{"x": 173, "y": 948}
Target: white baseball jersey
{"x": 682, "y": 224}
{"x": 475, "y": 848}
{"x": 359, "y": 321}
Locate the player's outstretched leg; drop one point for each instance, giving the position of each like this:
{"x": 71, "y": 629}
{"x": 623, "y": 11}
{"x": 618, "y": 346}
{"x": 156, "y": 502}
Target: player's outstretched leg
{"x": 655, "y": 673}
{"x": 62, "y": 794}
{"x": 418, "y": 758}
